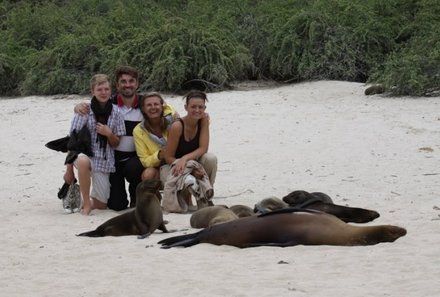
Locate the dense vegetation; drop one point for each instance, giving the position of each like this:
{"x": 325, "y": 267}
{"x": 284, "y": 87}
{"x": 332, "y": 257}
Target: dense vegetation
{"x": 51, "y": 47}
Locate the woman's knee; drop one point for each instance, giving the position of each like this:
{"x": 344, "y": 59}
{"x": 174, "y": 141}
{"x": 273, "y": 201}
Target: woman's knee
{"x": 209, "y": 162}
{"x": 209, "y": 159}
{"x": 150, "y": 173}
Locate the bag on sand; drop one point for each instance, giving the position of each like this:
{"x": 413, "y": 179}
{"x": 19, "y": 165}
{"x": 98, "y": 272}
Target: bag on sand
{"x": 62, "y": 192}
{"x": 72, "y": 201}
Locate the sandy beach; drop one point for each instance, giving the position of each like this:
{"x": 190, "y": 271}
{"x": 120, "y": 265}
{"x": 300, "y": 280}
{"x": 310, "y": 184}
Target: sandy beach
{"x": 373, "y": 152}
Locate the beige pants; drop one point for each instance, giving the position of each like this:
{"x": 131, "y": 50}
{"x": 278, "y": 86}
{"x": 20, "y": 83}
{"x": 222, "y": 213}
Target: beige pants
{"x": 208, "y": 161}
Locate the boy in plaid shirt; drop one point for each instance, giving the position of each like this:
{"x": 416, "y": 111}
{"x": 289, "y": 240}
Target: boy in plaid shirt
{"x": 105, "y": 125}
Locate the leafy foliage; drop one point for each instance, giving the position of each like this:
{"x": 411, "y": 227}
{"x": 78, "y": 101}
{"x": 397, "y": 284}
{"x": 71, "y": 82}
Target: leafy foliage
{"x": 55, "y": 46}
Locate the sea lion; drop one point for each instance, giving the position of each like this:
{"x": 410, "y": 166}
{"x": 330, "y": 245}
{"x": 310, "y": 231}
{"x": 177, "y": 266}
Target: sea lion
{"x": 375, "y": 89}
{"x": 242, "y": 210}
{"x": 299, "y": 197}
{"x": 141, "y": 221}
{"x": 322, "y": 202}
{"x": 288, "y": 227}
{"x": 269, "y": 204}
{"x": 211, "y": 215}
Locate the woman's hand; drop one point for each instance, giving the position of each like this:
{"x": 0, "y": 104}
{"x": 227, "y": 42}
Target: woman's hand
{"x": 178, "y": 167}
{"x": 198, "y": 173}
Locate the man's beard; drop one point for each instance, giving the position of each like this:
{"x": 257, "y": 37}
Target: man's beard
{"x": 127, "y": 93}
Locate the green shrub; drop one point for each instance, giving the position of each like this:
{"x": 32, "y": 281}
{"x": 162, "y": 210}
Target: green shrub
{"x": 65, "y": 68}
{"x": 414, "y": 70}
{"x": 55, "y": 46}
{"x": 325, "y": 41}
{"x": 174, "y": 53}
{"x": 36, "y": 25}
{"x": 8, "y": 74}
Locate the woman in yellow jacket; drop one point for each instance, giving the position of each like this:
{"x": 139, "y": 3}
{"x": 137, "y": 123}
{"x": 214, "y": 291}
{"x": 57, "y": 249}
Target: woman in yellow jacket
{"x": 150, "y": 135}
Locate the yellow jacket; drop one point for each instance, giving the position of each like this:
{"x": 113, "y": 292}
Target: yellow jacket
{"x": 146, "y": 148}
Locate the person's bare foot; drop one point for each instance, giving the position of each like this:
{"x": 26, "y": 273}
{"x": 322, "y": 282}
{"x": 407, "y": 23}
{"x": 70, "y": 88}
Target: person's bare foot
{"x": 86, "y": 210}
{"x": 87, "y": 207}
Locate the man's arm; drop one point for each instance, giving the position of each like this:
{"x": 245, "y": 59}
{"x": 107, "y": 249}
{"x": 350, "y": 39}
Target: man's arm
{"x": 82, "y": 108}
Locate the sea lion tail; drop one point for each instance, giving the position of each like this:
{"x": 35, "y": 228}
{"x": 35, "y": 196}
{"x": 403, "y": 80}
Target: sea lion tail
{"x": 184, "y": 243}
{"x": 186, "y": 240}
{"x": 93, "y": 233}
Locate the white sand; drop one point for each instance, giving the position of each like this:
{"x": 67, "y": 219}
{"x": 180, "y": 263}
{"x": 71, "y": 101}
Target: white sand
{"x": 371, "y": 152}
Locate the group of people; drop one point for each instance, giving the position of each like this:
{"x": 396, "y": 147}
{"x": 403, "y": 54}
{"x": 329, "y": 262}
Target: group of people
{"x": 136, "y": 137}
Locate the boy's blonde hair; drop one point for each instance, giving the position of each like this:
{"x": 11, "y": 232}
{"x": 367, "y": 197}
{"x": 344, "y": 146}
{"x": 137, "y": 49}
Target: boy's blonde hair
{"x": 98, "y": 79}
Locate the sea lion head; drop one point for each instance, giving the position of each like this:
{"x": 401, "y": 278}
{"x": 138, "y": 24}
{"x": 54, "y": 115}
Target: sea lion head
{"x": 269, "y": 204}
{"x": 150, "y": 186}
{"x": 297, "y": 197}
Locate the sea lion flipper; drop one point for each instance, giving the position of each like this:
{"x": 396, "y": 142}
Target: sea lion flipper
{"x": 180, "y": 240}
{"x": 163, "y": 228}
{"x": 144, "y": 235}
{"x": 351, "y": 214}
{"x": 183, "y": 243}
{"x": 93, "y": 233}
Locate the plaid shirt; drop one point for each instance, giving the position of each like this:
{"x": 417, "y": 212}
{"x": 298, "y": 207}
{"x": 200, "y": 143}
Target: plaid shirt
{"x": 102, "y": 162}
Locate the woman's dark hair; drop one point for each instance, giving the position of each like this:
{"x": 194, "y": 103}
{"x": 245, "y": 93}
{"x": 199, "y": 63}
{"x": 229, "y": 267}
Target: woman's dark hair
{"x": 195, "y": 94}
{"x": 147, "y": 124}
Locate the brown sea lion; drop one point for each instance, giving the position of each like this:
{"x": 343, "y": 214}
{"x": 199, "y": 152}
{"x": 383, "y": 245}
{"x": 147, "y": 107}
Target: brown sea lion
{"x": 375, "y": 89}
{"x": 298, "y": 197}
{"x": 288, "y": 227}
{"x": 211, "y": 215}
{"x": 269, "y": 204}
{"x": 141, "y": 221}
{"x": 322, "y": 202}
{"x": 242, "y": 210}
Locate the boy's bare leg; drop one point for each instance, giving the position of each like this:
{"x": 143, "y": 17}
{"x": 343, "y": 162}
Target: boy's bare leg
{"x": 84, "y": 177}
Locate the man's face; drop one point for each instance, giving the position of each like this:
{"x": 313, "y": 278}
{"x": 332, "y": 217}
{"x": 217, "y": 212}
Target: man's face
{"x": 126, "y": 85}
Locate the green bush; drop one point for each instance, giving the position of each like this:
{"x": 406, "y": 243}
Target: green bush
{"x": 36, "y": 25}
{"x": 173, "y": 54}
{"x": 414, "y": 70}
{"x": 8, "y": 72}
{"x": 55, "y": 46}
{"x": 414, "y": 67}
{"x": 65, "y": 68}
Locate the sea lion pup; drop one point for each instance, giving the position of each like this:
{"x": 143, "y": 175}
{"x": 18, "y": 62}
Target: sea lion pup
{"x": 288, "y": 227}
{"x": 322, "y": 202}
{"x": 141, "y": 221}
{"x": 242, "y": 210}
{"x": 211, "y": 215}
{"x": 270, "y": 204}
